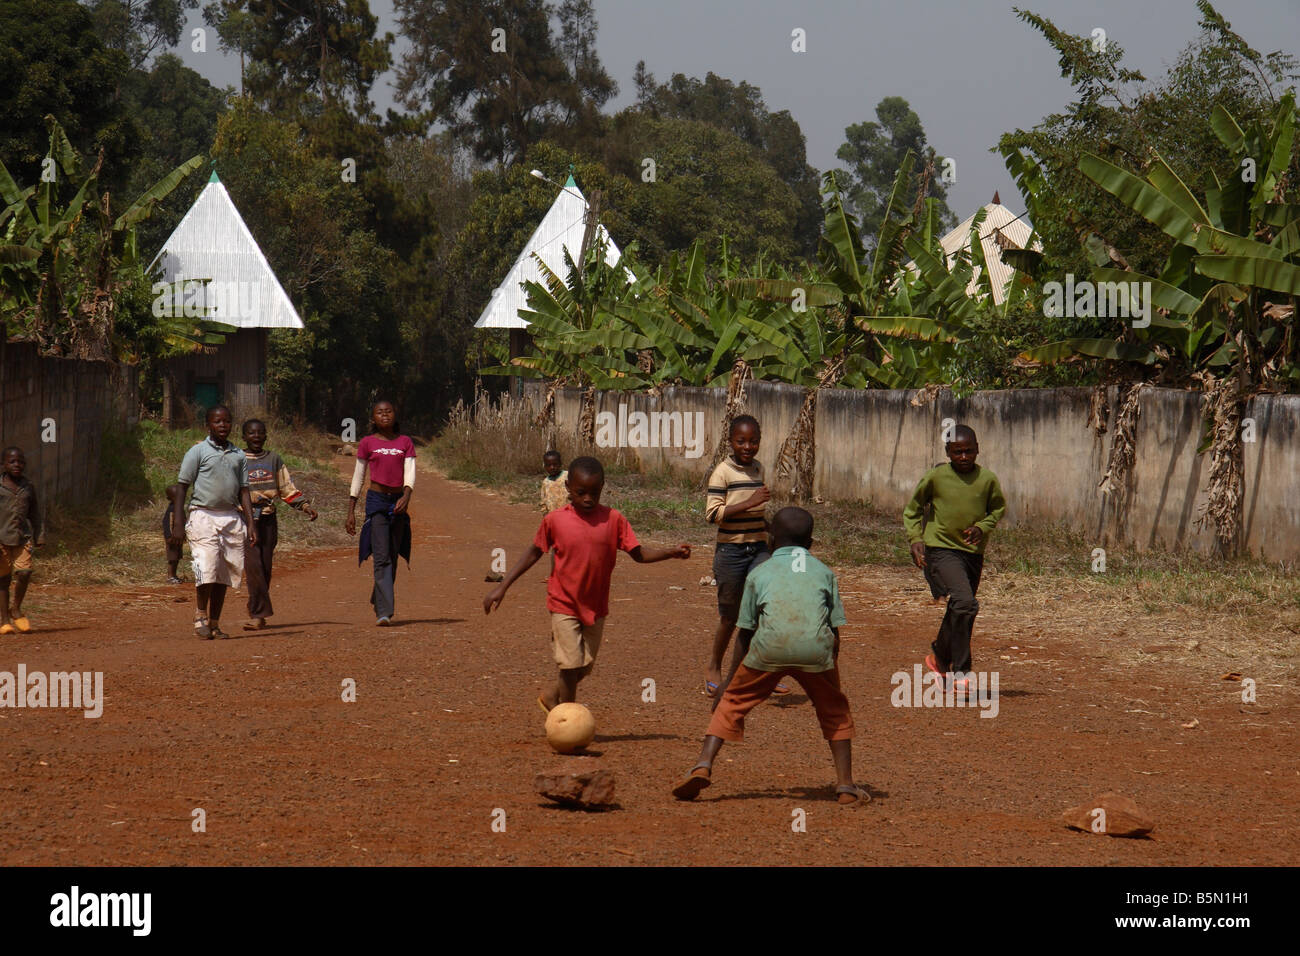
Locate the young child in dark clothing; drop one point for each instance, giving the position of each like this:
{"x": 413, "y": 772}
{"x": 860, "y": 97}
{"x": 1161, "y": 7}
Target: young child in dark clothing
{"x": 168, "y": 522}
{"x": 21, "y": 531}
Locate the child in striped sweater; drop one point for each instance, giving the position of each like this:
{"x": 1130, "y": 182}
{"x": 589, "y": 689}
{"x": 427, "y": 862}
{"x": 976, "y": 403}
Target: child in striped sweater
{"x": 736, "y": 503}
{"x": 268, "y": 479}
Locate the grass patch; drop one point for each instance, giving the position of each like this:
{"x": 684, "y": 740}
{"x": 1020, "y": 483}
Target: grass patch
{"x": 116, "y": 540}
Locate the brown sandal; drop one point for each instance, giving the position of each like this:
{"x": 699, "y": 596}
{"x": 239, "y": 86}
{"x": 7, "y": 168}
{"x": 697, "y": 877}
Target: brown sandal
{"x": 690, "y": 786}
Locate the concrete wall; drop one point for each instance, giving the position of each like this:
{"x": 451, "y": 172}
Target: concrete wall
{"x": 83, "y": 398}
{"x": 875, "y": 445}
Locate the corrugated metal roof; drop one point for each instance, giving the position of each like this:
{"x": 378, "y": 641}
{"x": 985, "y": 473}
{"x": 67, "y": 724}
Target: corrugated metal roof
{"x": 1000, "y": 229}
{"x": 561, "y": 228}
{"x": 212, "y": 243}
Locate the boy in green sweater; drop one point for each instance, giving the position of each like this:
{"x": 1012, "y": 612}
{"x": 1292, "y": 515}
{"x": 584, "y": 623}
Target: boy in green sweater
{"x": 967, "y": 505}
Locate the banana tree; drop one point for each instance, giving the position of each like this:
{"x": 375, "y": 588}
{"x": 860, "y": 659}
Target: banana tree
{"x": 64, "y": 269}
{"x": 1222, "y": 311}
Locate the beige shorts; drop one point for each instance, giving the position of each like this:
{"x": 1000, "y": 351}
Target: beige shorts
{"x": 15, "y": 558}
{"x": 575, "y": 644}
{"x": 216, "y": 545}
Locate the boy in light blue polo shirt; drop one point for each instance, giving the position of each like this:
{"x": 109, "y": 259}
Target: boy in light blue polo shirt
{"x": 789, "y": 621}
{"x": 215, "y": 528}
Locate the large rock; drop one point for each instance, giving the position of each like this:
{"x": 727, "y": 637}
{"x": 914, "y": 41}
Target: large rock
{"x": 593, "y": 790}
{"x": 1122, "y": 817}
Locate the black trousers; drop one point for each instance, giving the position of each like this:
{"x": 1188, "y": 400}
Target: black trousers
{"x": 957, "y": 573}
{"x": 257, "y": 567}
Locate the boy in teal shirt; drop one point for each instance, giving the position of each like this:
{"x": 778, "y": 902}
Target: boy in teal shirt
{"x": 789, "y": 620}
{"x": 967, "y": 504}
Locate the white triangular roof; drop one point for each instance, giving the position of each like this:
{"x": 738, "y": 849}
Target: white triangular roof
{"x": 561, "y": 228}
{"x": 999, "y": 223}
{"x": 212, "y": 243}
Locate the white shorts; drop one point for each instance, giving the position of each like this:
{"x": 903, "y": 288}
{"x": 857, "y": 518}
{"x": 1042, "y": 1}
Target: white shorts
{"x": 216, "y": 545}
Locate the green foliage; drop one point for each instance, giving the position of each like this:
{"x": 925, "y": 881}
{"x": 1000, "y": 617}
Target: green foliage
{"x": 1227, "y": 293}
{"x": 71, "y": 277}
{"x": 53, "y": 62}
{"x": 1127, "y": 122}
{"x": 738, "y": 108}
{"x": 709, "y": 183}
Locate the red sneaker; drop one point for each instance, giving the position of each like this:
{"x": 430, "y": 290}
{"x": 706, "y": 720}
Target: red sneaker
{"x": 932, "y": 665}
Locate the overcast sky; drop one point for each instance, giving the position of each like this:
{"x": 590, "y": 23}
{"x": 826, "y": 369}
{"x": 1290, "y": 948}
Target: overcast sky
{"x": 969, "y": 68}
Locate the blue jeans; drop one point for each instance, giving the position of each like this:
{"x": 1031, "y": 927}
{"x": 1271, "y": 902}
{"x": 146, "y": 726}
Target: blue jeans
{"x": 731, "y": 565}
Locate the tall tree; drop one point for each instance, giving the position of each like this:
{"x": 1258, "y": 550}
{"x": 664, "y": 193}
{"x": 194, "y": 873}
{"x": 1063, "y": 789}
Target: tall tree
{"x": 874, "y": 153}
{"x": 492, "y": 72}
{"x": 739, "y": 108}
{"x": 306, "y": 55}
{"x": 140, "y": 28}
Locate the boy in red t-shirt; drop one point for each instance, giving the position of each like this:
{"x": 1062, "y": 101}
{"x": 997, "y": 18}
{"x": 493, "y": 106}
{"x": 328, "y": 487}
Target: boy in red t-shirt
{"x": 586, "y": 537}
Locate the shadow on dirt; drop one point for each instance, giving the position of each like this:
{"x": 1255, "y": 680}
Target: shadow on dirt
{"x": 428, "y": 620}
{"x": 824, "y": 793}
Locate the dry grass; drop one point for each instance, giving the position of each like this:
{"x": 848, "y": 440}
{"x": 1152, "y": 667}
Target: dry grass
{"x": 117, "y": 539}
{"x": 1146, "y": 606}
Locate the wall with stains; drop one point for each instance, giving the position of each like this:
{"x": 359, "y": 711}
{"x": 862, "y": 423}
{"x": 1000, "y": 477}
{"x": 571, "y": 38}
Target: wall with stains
{"x": 876, "y": 444}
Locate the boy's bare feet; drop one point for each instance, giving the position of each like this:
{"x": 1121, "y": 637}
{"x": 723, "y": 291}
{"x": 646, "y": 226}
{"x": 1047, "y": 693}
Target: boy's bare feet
{"x": 690, "y": 786}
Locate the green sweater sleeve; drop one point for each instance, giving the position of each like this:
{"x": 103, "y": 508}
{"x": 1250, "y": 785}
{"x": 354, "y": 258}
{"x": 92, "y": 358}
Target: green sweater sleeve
{"x": 914, "y": 513}
{"x": 997, "y": 505}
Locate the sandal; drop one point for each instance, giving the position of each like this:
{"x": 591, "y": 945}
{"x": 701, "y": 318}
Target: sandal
{"x": 257, "y": 625}
{"x": 710, "y": 689}
{"x": 780, "y": 690}
{"x": 689, "y": 788}
{"x": 857, "y": 795}
{"x": 218, "y": 633}
{"x": 201, "y": 629}
{"x": 542, "y": 704}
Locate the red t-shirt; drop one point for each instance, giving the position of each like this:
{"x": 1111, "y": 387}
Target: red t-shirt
{"x": 386, "y": 458}
{"x": 586, "y": 547}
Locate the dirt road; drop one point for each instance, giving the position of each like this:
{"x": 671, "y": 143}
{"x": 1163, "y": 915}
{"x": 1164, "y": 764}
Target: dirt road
{"x": 445, "y": 731}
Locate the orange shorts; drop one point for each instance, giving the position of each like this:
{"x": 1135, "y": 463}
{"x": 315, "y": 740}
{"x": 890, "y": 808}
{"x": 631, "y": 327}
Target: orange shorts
{"x": 749, "y": 688}
{"x": 15, "y": 558}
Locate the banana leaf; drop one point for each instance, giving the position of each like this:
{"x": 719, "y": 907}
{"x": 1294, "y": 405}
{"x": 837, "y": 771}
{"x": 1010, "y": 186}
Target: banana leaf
{"x": 144, "y": 205}
{"x": 1163, "y": 295}
{"x": 816, "y": 294}
{"x": 1094, "y": 348}
{"x": 1226, "y": 128}
{"x": 1167, "y": 181}
{"x": 18, "y": 255}
{"x": 888, "y": 250}
{"x": 908, "y": 326}
{"x": 1252, "y": 271}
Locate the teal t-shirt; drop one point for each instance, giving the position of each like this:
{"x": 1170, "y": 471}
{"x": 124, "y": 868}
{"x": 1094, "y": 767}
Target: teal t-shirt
{"x": 216, "y": 473}
{"x": 791, "y": 602}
